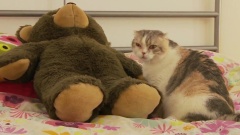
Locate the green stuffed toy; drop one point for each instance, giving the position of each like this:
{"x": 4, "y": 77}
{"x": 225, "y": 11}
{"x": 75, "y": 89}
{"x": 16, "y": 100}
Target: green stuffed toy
{"x": 75, "y": 72}
{"x": 4, "y": 47}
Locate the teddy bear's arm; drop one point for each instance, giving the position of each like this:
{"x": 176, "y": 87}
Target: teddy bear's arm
{"x": 19, "y": 64}
{"x": 131, "y": 67}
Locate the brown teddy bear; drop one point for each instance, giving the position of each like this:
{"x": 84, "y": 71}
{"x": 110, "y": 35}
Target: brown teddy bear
{"x": 75, "y": 72}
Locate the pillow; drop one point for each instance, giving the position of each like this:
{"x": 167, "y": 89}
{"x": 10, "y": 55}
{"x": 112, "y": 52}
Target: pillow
{"x": 229, "y": 67}
{"x": 7, "y": 42}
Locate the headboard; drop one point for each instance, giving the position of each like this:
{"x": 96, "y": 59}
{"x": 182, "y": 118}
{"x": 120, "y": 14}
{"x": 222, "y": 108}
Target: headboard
{"x": 141, "y": 14}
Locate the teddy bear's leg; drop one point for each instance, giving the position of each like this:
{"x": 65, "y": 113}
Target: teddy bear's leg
{"x": 132, "y": 98}
{"x": 75, "y": 98}
{"x": 78, "y": 102}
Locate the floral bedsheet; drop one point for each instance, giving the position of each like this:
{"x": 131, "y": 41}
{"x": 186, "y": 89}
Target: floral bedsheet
{"x": 27, "y": 116}
{"x": 20, "y": 115}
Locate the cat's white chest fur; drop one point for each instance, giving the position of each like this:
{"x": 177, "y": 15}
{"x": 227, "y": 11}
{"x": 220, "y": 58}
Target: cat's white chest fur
{"x": 159, "y": 71}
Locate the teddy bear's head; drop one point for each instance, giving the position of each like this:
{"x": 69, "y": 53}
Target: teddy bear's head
{"x": 66, "y": 21}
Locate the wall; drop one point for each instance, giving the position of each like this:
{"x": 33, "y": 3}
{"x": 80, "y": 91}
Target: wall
{"x": 11, "y": 24}
{"x": 185, "y": 31}
{"x": 119, "y": 30}
{"x": 230, "y": 29}
{"x": 30, "y": 4}
{"x": 144, "y": 5}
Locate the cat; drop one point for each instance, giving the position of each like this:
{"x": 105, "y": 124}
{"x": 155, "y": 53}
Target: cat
{"x": 191, "y": 84}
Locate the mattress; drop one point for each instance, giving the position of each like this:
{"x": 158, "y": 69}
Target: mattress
{"x": 22, "y": 113}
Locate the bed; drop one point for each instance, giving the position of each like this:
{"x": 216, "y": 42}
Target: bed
{"x": 21, "y": 112}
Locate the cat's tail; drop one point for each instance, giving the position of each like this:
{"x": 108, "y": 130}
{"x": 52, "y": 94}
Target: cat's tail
{"x": 231, "y": 117}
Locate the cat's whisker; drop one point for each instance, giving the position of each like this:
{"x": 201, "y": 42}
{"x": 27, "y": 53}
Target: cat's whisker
{"x": 191, "y": 84}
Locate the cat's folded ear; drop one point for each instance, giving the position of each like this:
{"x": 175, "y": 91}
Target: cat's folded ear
{"x": 165, "y": 36}
{"x": 136, "y": 33}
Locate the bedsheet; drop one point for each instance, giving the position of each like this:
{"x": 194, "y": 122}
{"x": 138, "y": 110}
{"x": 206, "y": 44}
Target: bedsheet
{"x": 21, "y": 115}
{"x": 25, "y": 115}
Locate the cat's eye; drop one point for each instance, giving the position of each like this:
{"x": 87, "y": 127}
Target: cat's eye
{"x": 152, "y": 46}
{"x": 138, "y": 45}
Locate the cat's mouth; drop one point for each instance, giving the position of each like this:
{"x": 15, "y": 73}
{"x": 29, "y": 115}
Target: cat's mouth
{"x": 144, "y": 58}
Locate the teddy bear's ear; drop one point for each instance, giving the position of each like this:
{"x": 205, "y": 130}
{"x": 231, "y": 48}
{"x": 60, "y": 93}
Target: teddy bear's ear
{"x": 23, "y": 33}
{"x": 71, "y": 15}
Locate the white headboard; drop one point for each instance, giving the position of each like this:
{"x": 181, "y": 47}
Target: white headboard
{"x": 191, "y": 23}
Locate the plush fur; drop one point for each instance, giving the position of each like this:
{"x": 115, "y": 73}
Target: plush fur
{"x": 75, "y": 72}
{"x": 191, "y": 84}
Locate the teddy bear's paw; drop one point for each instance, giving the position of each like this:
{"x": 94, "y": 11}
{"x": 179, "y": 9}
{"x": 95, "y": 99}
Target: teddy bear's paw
{"x": 14, "y": 70}
{"x": 77, "y": 102}
{"x": 138, "y": 101}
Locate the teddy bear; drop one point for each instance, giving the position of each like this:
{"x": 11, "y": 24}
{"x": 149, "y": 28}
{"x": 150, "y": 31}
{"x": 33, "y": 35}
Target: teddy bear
{"x": 76, "y": 74}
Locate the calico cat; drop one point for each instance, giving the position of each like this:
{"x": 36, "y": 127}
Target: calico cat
{"x": 191, "y": 84}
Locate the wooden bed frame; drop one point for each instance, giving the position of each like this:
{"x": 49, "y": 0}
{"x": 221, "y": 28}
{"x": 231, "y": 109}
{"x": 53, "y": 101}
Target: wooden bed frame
{"x": 163, "y": 14}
